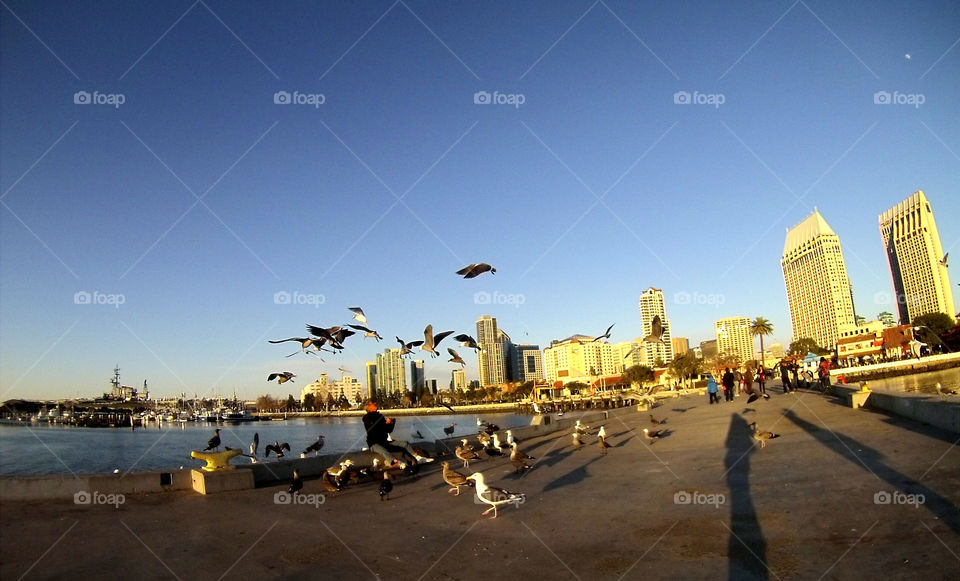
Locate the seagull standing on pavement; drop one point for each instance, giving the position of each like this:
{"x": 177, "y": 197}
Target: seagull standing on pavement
{"x": 652, "y": 436}
{"x": 454, "y": 478}
{"x": 493, "y": 496}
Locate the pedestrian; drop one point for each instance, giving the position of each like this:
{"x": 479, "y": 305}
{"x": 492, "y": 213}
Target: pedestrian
{"x": 728, "y": 383}
{"x": 785, "y": 375}
{"x": 748, "y": 381}
{"x": 794, "y": 368}
{"x": 761, "y": 381}
{"x": 739, "y": 381}
{"x": 712, "y": 390}
{"x": 823, "y": 371}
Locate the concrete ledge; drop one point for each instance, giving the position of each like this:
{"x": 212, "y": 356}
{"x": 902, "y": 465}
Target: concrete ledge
{"x": 221, "y": 481}
{"x": 930, "y": 410}
{"x": 64, "y": 486}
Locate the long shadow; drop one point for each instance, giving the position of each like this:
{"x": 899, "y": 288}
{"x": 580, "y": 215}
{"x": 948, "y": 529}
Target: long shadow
{"x": 873, "y": 460}
{"x": 575, "y": 476}
{"x": 746, "y": 547}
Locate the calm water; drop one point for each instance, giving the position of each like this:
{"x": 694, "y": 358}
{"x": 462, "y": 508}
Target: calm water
{"x": 62, "y": 450}
{"x": 920, "y": 382}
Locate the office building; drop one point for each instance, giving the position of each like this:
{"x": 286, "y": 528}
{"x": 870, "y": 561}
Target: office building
{"x": 652, "y": 305}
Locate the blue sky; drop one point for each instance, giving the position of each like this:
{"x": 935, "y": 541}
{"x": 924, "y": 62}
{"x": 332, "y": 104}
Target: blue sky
{"x": 596, "y": 187}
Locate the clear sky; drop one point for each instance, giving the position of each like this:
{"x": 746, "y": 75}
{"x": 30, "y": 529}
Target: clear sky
{"x": 179, "y": 187}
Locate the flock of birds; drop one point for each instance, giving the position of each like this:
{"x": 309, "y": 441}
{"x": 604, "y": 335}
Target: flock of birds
{"x": 331, "y": 339}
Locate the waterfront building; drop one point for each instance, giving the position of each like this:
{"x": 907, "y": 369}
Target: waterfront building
{"x": 320, "y": 389}
{"x": 815, "y": 275}
{"x": 629, "y": 353}
{"x": 371, "y": 377}
{"x": 680, "y": 346}
{"x": 526, "y": 363}
{"x": 921, "y": 284}
{"x": 578, "y": 358}
{"x": 493, "y": 352}
{"x": 391, "y": 375}
{"x": 416, "y": 375}
{"x": 708, "y": 349}
{"x": 458, "y": 380}
{"x": 734, "y": 337}
{"x": 652, "y": 305}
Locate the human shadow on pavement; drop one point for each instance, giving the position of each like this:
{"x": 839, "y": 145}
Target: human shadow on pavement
{"x": 746, "y": 547}
{"x": 873, "y": 460}
{"x": 575, "y": 476}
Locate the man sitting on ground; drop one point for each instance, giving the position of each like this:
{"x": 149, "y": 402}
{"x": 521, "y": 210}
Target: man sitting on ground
{"x": 378, "y": 428}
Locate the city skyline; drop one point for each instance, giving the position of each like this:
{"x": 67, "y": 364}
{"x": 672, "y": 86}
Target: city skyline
{"x": 189, "y": 182}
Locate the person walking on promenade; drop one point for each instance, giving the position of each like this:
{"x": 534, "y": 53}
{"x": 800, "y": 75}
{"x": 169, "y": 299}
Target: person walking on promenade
{"x": 761, "y": 381}
{"x": 378, "y": 428}
{"x": 785, "y": 375}
{"x": 728, "y": 383}
{"x": 748, "y": 381}
{"x": 712, "y": 390}
{"x": 823, "y": 371}
{"x": 738, "y": 377}
{"x": 795, "y": 369}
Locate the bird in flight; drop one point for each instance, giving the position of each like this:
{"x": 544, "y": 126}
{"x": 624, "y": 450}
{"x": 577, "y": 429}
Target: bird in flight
{"x": 467, "y": 341}
{"x": 358, "y": 315}
{"x": 606, "y": 335}
{"x": 476, "y": 269}
{"x": 277, "y": 448}
{"x": 455, "y": 357}
{"x": 305, "y": 343}
{"x": 281, "y": 377}
{"x": 430, "y": 341}
{"x": 656, "y": 331}
{"x": 405, "y": 348}
{"x": 944, "y": 260}
{"x": 366, "y": 332}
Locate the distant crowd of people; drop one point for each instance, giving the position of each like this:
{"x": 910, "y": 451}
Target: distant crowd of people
{"x": 734, "y": 382}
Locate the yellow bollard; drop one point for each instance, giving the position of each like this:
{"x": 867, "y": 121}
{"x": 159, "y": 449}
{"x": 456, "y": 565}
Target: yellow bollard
{"x": 216, "y": 460}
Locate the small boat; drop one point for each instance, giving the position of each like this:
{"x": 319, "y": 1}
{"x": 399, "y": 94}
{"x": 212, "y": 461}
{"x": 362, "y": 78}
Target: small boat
{"x": 238, "y": 416}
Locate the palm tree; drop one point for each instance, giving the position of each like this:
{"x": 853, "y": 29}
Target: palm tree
{"x": 761, "y": 326}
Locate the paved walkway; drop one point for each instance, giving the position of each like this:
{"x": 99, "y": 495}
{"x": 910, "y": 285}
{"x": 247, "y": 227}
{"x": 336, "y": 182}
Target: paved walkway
{"x": 702, "y": 503}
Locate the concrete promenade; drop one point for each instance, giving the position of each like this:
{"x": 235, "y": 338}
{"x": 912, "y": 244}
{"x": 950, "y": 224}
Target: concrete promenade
{"x": 841, "y": 494}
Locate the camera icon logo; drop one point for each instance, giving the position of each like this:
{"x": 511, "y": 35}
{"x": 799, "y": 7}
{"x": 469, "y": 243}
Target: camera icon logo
{"x": 282, "y": 497}
{"x": 281, "y": 298}
{"x": 281, "y": 98}
{"x": 681, "y": 98}
{"x": 82, "y": 497}
{"x": 481, "y": 298}
{"x": 681, "y": 298}
{"x": 881, "y": 98}
{"x": 481, "y": 98}
{"x": 682, "y": 497}
{"x": 81, "y": 98}
{"x": 81, "y": 298}
{"x": 882, "y": 497}
{"x": 881, "y": 298}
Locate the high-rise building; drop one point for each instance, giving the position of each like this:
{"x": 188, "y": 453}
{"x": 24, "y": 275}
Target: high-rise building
{"x": 651, "y": 305}
{"x": 734, "y": 338}
{"x": 526, "y": 363}
{"x": 391, "y": 375}
{"x": 578, "y": 358}
{"x": 680, "y": 346}
{"x": 708, "y": 348}
{"x": 493, "y": 353}
{"x": 629, "y": 353}
{"x": 371, "y": 377}
{"x": 416, "y": 375}
{"x": 458, "y": 380}
{"x": 818, "y": 289}
{"x": 921, "y": 284}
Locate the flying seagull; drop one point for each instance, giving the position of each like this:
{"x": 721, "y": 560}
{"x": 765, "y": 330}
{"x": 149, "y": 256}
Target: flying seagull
{"x": 656, "y": 331}
{"x": 277, "y": 448}
{"x": 366, "y": 332}
{"x": 631, "y": 352}
{"x": 281, "y": 377}
{"x": 495, "y": 497}
{"x": 762, "y": 436}
{"x": 416, "y": 435}
{"x": 305, "y": 342}
{"x": 405, "y": 348}
{"x": 467, "y": 341}
{"x": 448, "y": 407}
{"x": 430, "y": 341}
{"x": 944, "y": 261}
{"x": 476, "y": 269}
{"x": 606, "y": 335}
{"x": 315, "y": 447}
{"x": 455, "y": 357}
{"x": 214, "y": 442}
{"x": 329, "y": 334}
{"x": 454, "y": 478}
{"x": 941, "y": 391}
{"x": 297, "y": 483}
{"x": 358, "y": 315}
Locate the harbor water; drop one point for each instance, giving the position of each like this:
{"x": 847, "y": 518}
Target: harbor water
{"x": 55, "y": 449}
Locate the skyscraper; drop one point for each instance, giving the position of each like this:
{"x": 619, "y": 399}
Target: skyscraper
{"x": 651, "y": 305}
{"x": 371, "y": 378}
{"x": 734, "y": 338}
{"x": 818, "y": 289}
{"x": 391, "y": 375}
{"x": 492, "y": 355}
{"x": 526, "y": 362}
{"x": 416, "y": 375}
{"x": 921, "y": 284}
{"x": 458, "y": 380}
